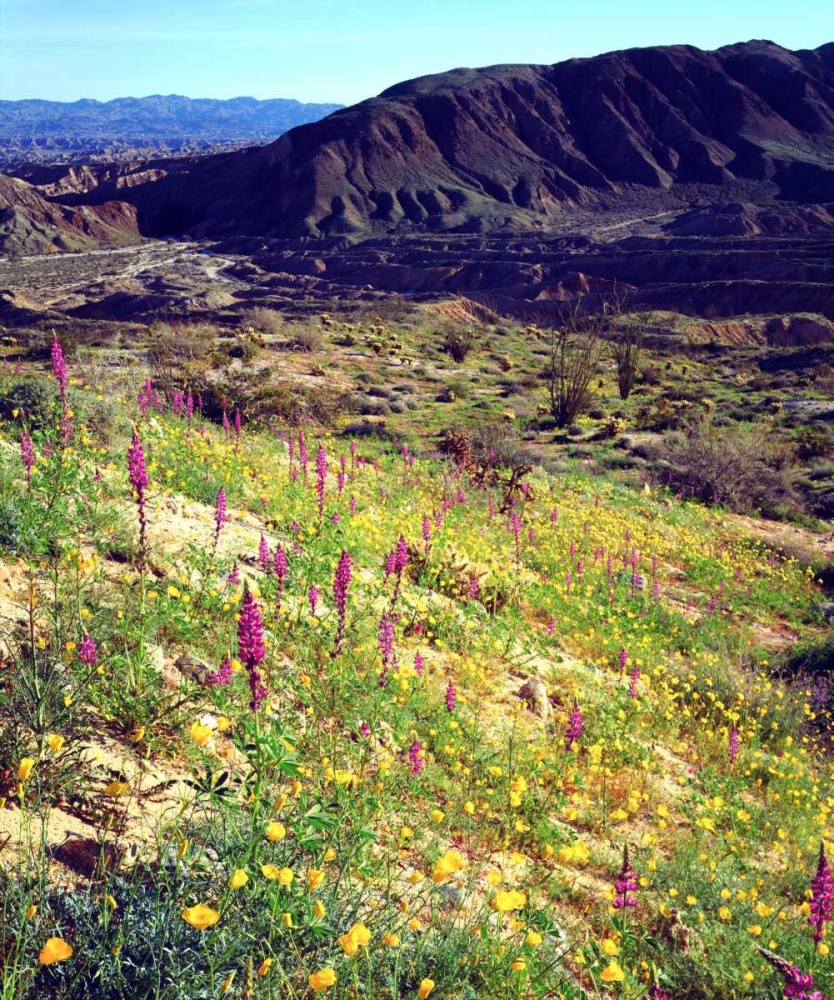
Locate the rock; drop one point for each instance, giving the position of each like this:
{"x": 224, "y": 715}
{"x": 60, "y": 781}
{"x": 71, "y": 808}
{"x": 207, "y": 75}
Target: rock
{"x": 824, "y": 608}
{"x": 534, "y": 693}
{"x": 799, "y": 331}
{"x": 190, "y": 666}
{"x": 155, "y": 657}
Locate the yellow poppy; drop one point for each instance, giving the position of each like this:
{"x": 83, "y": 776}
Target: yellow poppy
{"x": 508, "y": 899}
{"x": 352, "y": 940}
{"x": 276, "y": 831}
{"x": 322, "y": 980}
{"x": 24, "y": 769}
{"x": 451, "y": 861}
{"x": 239, "y": 879}
{"x": 55, "y": 950}
{"x": 200, "y": 916}
{"x": 612, "y": 973}
{"x": 426, "y": 986}
{"x": 200, "y": 734}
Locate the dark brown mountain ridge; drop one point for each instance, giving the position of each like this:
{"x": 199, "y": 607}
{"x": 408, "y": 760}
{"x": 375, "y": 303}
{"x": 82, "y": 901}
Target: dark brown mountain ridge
{"x": 511, "y": 148}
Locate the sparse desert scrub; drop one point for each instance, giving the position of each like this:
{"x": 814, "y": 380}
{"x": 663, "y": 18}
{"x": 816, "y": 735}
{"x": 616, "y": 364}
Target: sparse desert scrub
{"x": 742, "y": 468}
{"x": 459, "y": 342}
{"x": 268, "y": 322}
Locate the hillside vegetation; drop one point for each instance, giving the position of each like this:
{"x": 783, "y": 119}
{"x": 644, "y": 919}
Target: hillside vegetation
{"x": 287, "y": 714}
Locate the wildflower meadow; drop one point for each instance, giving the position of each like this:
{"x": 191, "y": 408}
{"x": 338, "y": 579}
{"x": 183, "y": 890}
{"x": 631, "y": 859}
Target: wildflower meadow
{"x": 289, "y": 714}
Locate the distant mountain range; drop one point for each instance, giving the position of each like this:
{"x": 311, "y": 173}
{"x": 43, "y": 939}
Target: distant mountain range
{"x": 34, "y": 131}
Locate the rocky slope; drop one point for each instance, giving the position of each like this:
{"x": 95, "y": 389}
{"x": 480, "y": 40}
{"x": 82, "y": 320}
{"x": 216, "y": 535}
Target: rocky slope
{"x": 29, "y": 224}
{"x": 34, "y": 131}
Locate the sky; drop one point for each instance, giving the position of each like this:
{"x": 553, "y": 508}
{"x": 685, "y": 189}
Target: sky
{"x": 342, "y": 51}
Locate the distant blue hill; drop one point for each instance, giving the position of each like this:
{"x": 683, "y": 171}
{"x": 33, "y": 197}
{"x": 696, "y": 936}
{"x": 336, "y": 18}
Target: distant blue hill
{"x": 36, "y": 131}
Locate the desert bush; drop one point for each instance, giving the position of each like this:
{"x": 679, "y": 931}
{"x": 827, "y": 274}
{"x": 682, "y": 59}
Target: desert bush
{"x": 176, "y": 354}
{"x": 626, "y": 350}
{"x": 370, "y": 407}
{"x": 573, "y": 353}
{"x": 303, "y": 338}
{"x": 815, "y": 441}
{"x": 34, "y": 400}
{"x": 459, "y": 342}
{"x": 739, "y": 467}
{"x": 262, "y": 320}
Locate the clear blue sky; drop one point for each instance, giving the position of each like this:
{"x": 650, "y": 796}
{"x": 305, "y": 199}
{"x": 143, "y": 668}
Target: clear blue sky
{"x": 345, "y": 50}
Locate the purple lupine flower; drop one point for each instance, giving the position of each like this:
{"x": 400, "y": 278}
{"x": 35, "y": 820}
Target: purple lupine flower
{"x": 797, "y": 985}
{"x": 415, "y": 757}
{"x": 733, "y": 745}
{"x": 251, "y": 648}
{"x": 398, "y": 561}
{"x": 87, "y": 652}
{"x": 634, "y": 678}
{"x": 822, "y": 896}
{"x": 575, "y": 726}
{"x": 451, "y": 697}
{"x": 365, "y": 730}
{"x": 353, "y": 505}
{"x": 386, "y": 641}
{"x": 178, "y": 402}
{"x": 137, "y": 472}
{"x": 237, "y": 425}
{"x": 219, "y": 514}
{"x": 263, "y": 554}
{"x": 340, "y": 481}
{"x": 279, "y": 562}
{"x": 27, "y": 455}
{"x": 234, "y": 576}
{"x": 626, "y": 884}
{"x": 551, "y": 626}
{"x": 623, "y": 660}
{"x": 474, "y": 587}
{"x": 222, "y": 676}
{"x": 321, "y": 478}
{"x": 341, "y": 583}
{"x": 313, "y": 598}
{"x": 145, "y": 397}
{"x": 59, "y": 366}
{"x": 426, "y": 530}
{"x": 189, "y": 407}
{"x": 59, "y": 370}
{"x": 279, "y": 568}
{"x": 419, "y": 664}
{"x": 655, "y": 591}
{"x": 227, "y": 429}
{"x": 656, "y": 993}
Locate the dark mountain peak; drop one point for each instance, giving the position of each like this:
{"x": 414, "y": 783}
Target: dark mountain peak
{"x": 517, "y": 147}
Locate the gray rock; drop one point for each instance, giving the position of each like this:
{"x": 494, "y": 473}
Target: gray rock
{"x": 534, "y": 693}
